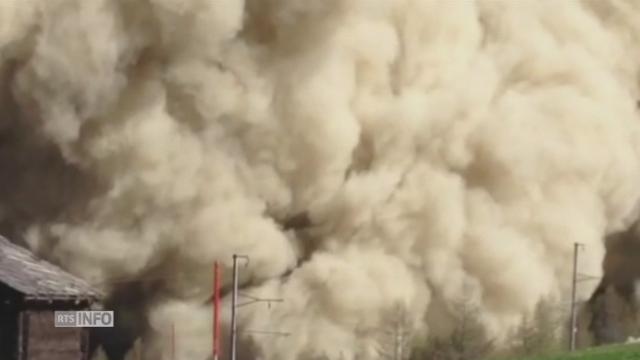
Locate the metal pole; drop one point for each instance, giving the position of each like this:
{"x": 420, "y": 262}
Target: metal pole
{"x": 234, "y": 303}
{"x": 398, "y": 350}
{"x": 574, "y": 329}
{"x": 401, "y": 348}
{"x": 173, "y": 341}
{"x": 216, "y": 311}
{"x": 395, "y": 345}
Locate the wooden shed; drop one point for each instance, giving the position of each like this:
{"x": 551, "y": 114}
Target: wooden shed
{"x": 31, "y": 290}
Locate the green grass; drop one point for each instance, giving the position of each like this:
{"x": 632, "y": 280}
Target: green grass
{"x": 616, "y": 352}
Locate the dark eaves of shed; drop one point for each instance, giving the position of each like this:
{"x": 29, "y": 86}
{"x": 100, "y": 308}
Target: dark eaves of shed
{"x": 36, "y": 278}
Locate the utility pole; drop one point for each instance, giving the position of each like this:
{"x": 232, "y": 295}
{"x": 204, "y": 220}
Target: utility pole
{"x": 173, "y": 341}
{"x": 574, "y": 283}
{"x": 234, "y": 303}
{"x": 216, "y": 310}
{"x": 399, "y": 343}
{"x": 235, "y": 306}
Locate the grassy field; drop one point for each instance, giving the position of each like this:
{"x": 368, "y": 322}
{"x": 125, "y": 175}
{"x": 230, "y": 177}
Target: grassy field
{"x": 618, "y": 352}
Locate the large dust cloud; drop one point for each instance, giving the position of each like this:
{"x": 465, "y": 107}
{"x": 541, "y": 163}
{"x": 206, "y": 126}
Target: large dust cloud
{"x": 439, "y": 149}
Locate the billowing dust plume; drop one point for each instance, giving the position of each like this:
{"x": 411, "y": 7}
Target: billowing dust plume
{"x": 439, "y": 149}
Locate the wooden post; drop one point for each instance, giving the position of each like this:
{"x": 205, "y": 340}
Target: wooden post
{"x": 21, "y": 336}
{"x": 85, "y": 338}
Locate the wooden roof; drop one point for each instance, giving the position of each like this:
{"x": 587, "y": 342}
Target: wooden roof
{"x": 36, "y": 278}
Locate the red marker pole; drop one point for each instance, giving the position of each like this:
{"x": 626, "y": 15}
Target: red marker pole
{"x": 216, "y": 311}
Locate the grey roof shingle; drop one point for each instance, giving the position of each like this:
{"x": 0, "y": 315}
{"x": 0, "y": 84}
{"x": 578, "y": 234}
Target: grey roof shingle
{"x": 21, "y": 270}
